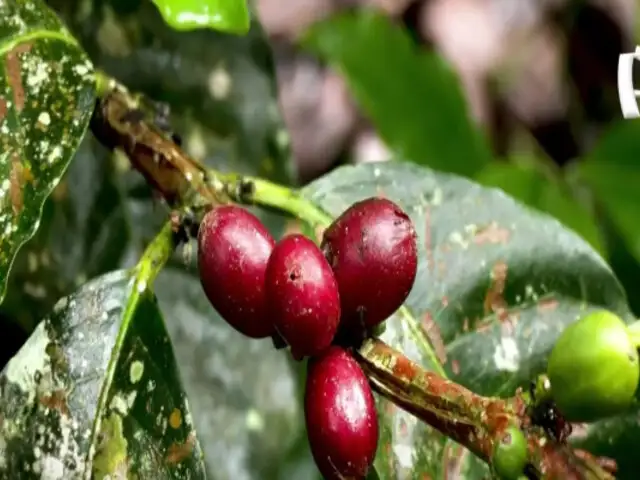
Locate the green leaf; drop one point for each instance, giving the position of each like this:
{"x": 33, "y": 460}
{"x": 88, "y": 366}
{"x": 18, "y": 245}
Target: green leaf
{"x": 612, "y": 170}
{"x": 413, "y": 98}
{"x": 102, "y": 214}
{"x": 224, "y": 15}
{"x": 104, "y": 209}
{"x": 89, "y": 226}
{"x": 244, "y": 393}
{"x": 46, "y": 100}
{"x": 497, "y": 282}
{"x": 527, "y": 184}
{"x": 80, "y": 398}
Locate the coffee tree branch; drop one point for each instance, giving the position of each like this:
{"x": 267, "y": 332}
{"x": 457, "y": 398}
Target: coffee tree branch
{"x": 136, "y": 126}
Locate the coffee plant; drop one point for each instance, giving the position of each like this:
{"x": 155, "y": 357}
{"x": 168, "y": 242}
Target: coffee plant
{"x": 191, "y": 314}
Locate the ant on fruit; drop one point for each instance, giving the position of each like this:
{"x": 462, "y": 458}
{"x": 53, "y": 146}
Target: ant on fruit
{"x": 544, "y": 413}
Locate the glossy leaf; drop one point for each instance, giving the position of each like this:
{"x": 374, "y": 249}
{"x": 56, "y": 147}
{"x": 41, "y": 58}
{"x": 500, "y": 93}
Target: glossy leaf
{"x": 46, "y": 100}
{"x": 527, "y": 184}
{"x": 88, "y": 227}
{"x": 105, "y": 211}
{"x": 612, "y": 170}
{"x": 79, "y": 398}
{"x": 243, "y": 392}
{"x": 413, "y": 98}
{"x": 224, "y": 15}
{"x": 496, "y": 284}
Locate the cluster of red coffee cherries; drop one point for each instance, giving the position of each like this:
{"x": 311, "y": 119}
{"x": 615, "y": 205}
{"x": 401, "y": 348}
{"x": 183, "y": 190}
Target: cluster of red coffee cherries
{"x": 318, "y": 301}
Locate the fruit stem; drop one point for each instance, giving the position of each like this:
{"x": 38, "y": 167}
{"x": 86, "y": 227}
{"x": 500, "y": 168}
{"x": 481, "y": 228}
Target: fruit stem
{"x": 156, "y": 255}
{"x": 634, "y": 333}
{"x": 474, "y": 421}
{"x": 185, "y": 183}
{"x": 144, "y": 273}
{"x": 103, "y": 83}
{"x": 256, "y": 191}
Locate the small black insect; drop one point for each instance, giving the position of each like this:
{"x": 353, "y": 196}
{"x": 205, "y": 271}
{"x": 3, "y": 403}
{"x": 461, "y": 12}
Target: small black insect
{"x": 185, "y": 225}
{"x": 544, "y": 413}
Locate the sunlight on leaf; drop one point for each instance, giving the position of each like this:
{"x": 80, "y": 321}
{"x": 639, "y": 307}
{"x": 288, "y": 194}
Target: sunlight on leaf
{"x": 230, "y": 16}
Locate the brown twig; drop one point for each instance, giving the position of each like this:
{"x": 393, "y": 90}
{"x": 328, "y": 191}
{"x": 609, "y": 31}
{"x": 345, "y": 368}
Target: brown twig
{"x": 472, "y": 420}
{"x": 122, "y": 121}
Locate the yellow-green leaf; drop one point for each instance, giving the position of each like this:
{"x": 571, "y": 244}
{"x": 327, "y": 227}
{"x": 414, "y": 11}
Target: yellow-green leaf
{"x": 225, "y": 15}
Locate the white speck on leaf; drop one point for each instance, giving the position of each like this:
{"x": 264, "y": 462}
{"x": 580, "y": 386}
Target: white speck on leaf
{"x": 51, "y": 468}
{"x": 135, "y": 371}
{"x": 81, "y": 70}
{"x": 119, "y": 404}
{"x": 56, "y": 154}
{"x": 457, "y": 239}
{"x": 44, "y": 118}
{"x": 507, "y": 356}
{"x": 436, "y": 198}
{"x": 404, "y": 454}
{"x": 131, "y": 398}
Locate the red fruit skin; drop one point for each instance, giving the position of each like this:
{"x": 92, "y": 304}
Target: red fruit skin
{"x": 303, "y": 296}
{"x": 233, "y": 251}
{"x": 372, "y": 248}
{"x": 340, "y": 415}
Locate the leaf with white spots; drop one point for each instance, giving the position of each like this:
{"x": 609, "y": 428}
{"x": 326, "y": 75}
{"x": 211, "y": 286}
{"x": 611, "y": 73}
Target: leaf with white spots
{"x": 221, "y": 87}
{"x": 46, "y": 100}
{"x": 496, "y": 284}
{"x": 96, "y": 391}
{"x": 222, "y": 95}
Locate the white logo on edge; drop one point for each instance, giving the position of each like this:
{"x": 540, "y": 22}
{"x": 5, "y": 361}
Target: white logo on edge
{"x": 627, "y": 94}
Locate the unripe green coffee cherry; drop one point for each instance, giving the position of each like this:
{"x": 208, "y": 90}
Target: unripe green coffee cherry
{"x": 593, "y": 368}
{"x": 510, "y": 454}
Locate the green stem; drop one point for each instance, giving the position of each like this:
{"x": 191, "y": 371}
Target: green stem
{"x": 253, "y": 190}
{"x": 145, "y": 272}
{"x": 155, "y": 256}
{"x": 104, "y": 83}
{"x": 256, "y": 191}
{"x": 634, "y": 333}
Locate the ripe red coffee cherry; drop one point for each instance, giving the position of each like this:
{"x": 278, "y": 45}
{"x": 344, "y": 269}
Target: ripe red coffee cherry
{"x": 233, "y": 250}
{"x": 372, "y": 249}
{"x": 303, "y": 295}
{"x": 340, "y": 415}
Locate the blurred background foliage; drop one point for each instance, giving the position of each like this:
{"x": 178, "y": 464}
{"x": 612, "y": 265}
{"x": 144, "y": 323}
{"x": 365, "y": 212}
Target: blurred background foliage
{"x": 515, "y": 94}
